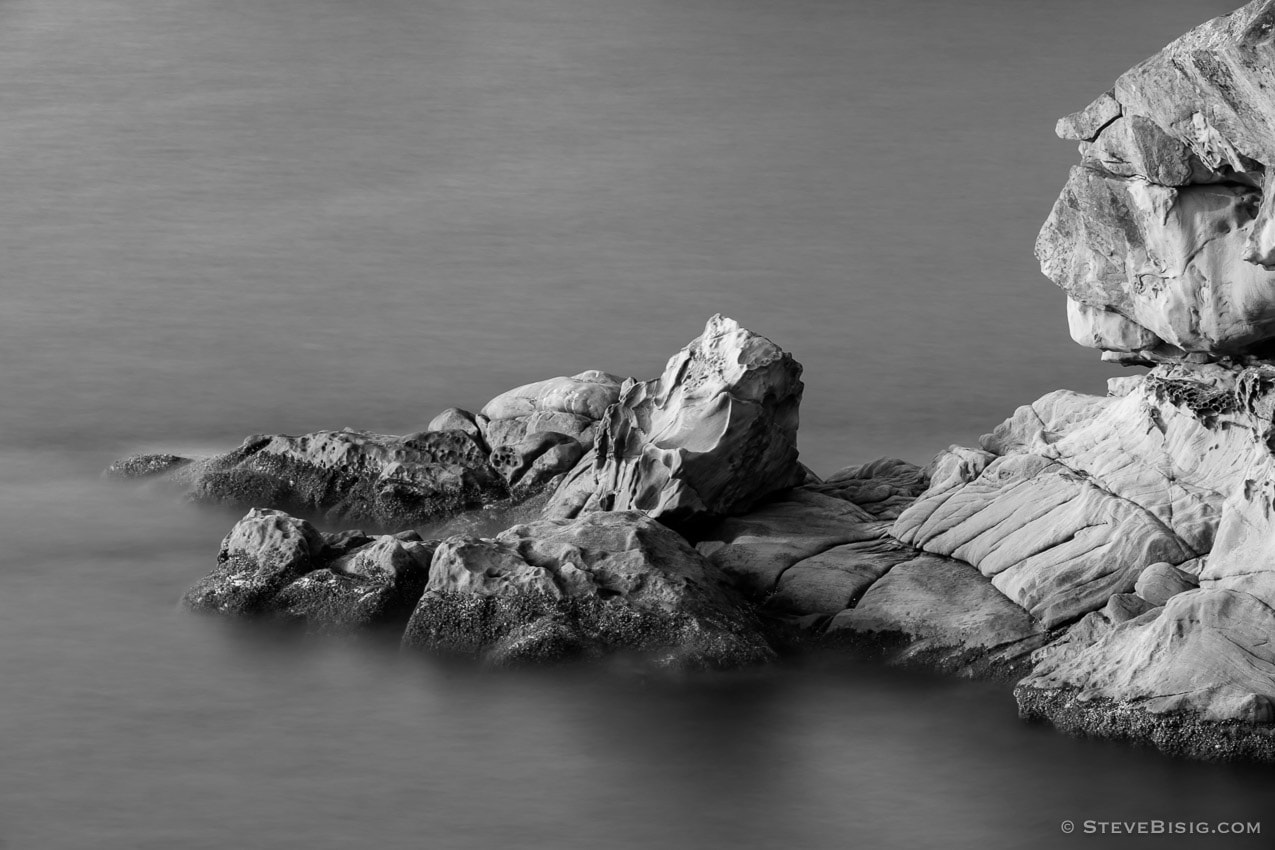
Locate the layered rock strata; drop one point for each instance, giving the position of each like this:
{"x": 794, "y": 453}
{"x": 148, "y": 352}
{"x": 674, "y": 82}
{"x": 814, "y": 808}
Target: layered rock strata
{"x": 1163, "y": 241}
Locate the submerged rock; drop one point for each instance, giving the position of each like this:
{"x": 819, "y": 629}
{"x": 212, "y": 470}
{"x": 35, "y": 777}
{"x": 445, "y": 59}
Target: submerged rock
{"x": 602, "y": 584}
{"x": 144, "y": 466}
{"x": 715, "y": 433}
{"x": 754, "y": 550}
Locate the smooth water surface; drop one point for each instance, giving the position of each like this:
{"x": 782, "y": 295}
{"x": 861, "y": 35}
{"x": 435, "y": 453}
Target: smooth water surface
{"x": 221, "y": 218}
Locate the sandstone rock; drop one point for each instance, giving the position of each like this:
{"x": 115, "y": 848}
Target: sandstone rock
{"x": 883, "y": 487}
{"x": 588, "y": 394}
{"x": 1195, "y": 678}
{"x": 265, "y": 551}
{"x": 1082, "y": 126}
{"x": 456, "y": 419}
{"x": 570, "y": 406}
{"x": 755, "y": 549}
{"x": 831, "y": 581}
{"x": 602, "y": 584}
{"x": 1079, "y": 507}
{"x": 1159, "y": 583}
{"x": 943, "y": 613}
{"x": 711, "y": 436}
{"x": 1163, "y": 238}
{"x": 537, "y": 458}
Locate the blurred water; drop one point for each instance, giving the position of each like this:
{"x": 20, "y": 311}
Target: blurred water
{"x": 275, "y": 215}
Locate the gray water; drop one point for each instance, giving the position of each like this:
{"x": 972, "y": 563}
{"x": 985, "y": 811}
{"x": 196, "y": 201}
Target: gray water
{"x": 221, "y": 218}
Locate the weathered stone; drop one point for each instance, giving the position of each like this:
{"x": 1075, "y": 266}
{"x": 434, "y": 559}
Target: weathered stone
{"x": 265, "y": 551}
{"x": 1196, "y": 677}
{"x": 275, "y": 565}
{"x": 833, "y": 580}
{"x": 570, "y": 406}
{"x": 1082, "y": 126}
{"x": 145, "y": 466}
{"x": 377, "y": 584}
{"x": 1079, "y": 507}
{"x": 537, "y": 458}
{"x": 587, "y": 394}
{"x": 711, "y": 436}
{"x": 1165, "y": 236}
{"x": 883, "y": 487}
{"x": 499, "y": 433}
{"x": 943, "y": 613}
{"x": 1159, "y": 583}
{"x": 456, "y": 419}
{"x": 350, "y": 476}
{"x": 602, "y": 584}
{"x": 753, "y": 550}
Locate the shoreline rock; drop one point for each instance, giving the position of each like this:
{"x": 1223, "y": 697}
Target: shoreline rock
{"x": 1117, "y": 553}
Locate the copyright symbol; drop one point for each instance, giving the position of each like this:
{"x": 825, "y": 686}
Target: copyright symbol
{"x": 1068, "y": 827}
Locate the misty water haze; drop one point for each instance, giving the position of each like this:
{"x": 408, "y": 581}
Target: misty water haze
{"x": 224, "y": 218}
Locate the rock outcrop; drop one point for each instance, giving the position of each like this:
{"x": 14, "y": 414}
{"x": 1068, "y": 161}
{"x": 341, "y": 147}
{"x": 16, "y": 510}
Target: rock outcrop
{"x": 570, "y": 406}
{"x": 1163, "y": 240}
{"x": 1121, "y": 547}
{"x": 1163, "y": 237}
{"x": 606, "y": 583}
{"x": 277, "y": 566}
{"x": 715, "y": 433}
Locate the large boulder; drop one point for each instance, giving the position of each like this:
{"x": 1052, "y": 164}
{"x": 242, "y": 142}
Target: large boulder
{"x": 603, "y": 584}
{"x": 715, "y": 433}
{"x": 1164, "y": 235}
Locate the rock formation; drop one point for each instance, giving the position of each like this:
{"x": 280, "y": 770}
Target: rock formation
{"x": 277, "y": 566}
{"x": 607, "y": 582}
{"x": 460, "y": 463}
{"x": 1119, "y": 550}
{"x": 1163, "y": 241}
{"x": 716, "y": 432}
{"x": 1163, "y": 237}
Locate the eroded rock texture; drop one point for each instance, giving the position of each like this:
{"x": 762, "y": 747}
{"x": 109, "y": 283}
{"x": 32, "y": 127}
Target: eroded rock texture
{"x": 1163, "y": 237}
{"x": 1163, "y": 240}
{"x": 712, "y": 435}
{"x": 278, "y": 566}
{"x": 821, "y": 556}
{"x": 606, "y": 583}
{"x": 461, "y": 462}
{"x": 570, "y": 406}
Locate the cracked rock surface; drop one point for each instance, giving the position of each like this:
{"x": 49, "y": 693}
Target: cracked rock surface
{"x": 1163, "y": 237}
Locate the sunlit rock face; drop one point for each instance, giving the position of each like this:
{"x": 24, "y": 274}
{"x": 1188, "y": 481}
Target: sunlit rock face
{"x": 1164, "y": 236}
